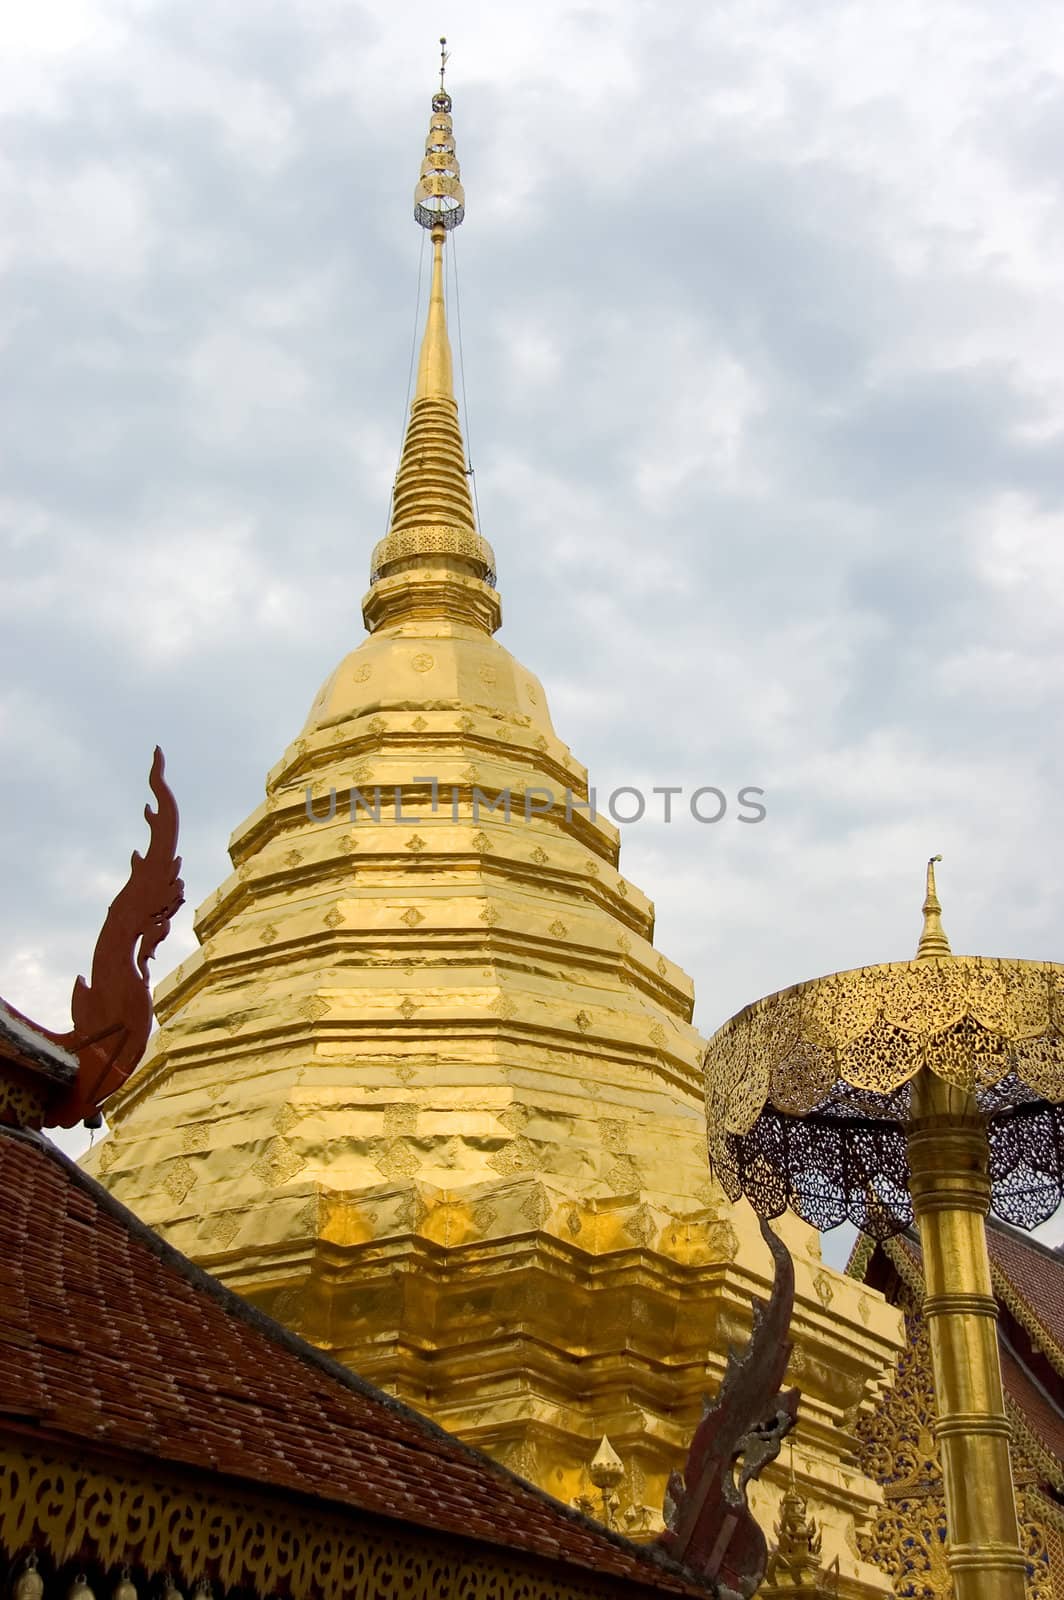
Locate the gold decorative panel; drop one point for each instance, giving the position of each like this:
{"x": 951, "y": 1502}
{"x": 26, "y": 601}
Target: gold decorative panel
{"x": 229, "y": 1541}
{"x": 908, "y": 1538}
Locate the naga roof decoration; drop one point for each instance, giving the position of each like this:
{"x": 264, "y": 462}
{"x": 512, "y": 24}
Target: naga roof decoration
{"x": 708, "y": 1522}
{"x": 74, "y": 1072}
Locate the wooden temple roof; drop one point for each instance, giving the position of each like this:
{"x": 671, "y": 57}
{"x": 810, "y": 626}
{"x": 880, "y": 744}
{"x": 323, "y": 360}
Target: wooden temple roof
{"x": 24, "y": 1045}
{"x": 111, "y": 1340}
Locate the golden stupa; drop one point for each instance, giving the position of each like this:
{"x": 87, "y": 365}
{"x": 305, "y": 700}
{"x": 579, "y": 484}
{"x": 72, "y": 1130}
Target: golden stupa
{"x": 428, "y": 1093}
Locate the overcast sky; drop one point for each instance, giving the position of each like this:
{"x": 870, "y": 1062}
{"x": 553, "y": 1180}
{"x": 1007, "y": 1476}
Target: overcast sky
{"x": 762, "y": 312}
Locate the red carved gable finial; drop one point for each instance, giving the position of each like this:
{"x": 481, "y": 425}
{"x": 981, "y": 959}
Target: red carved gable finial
{"x": 112, "y": 1014}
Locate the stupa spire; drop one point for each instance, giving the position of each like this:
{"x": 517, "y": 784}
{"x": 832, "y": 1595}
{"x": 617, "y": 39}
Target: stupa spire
{"x": 426, "y": 1089}
{"x": 933, "y": 941}
{"x": 433, "y": 561}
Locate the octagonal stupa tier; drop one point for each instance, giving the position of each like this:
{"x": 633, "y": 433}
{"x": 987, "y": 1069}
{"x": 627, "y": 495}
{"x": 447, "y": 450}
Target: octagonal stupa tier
{"x": 500, "y": 972}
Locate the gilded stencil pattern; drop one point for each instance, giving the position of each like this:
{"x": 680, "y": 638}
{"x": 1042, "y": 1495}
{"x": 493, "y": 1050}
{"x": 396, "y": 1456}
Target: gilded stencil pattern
{"x": 908, "y": 1537}
{"x": 21, "y": 1103}
{"x": 195, "y": 1537}
{"x": 431, "y": 539}
{"x": 1054, "y": 1545}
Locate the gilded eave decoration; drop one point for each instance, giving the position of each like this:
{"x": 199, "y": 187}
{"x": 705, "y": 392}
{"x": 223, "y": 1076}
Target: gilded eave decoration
{"x": 214, "y": 1541}
{"x": 823, "y": 1069}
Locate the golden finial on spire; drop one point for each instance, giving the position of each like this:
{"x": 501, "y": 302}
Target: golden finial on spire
{"x": 439, "y": 204}
{"x": 439, "y": 199}
{"x": 933, "y": 941}
{"x": 433, "y": 548}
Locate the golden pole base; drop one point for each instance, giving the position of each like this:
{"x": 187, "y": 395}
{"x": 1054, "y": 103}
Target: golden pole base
{"x": 951, "y": 1197}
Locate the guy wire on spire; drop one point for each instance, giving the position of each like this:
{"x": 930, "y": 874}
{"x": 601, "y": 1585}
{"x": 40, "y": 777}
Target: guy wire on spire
{"x": 461, "y": 371}
{"x": 410, "y": 371}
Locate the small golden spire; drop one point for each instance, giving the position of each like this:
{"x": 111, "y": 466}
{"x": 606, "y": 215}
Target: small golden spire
{"x": 435, "y": 377}
{"x": 795, "y": 1562}
{"x": 933, "y": 941}
{"x": 433, "y": 528}
{"x": 607, "y": 1474}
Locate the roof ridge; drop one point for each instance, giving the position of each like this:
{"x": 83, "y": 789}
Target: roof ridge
{"x": 650, "y": 1556}
{"x": 37, "y": 1045}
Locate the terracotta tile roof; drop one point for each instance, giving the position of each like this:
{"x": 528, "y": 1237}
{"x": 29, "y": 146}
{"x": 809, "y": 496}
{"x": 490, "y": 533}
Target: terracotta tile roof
{"x": 108, "y": 1335}
{"x": 1036, "y": 1274}
{"x": 1037, "y": 1409}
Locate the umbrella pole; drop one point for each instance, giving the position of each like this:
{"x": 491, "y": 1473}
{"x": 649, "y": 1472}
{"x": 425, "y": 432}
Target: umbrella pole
{"x": 948, "y": 1161}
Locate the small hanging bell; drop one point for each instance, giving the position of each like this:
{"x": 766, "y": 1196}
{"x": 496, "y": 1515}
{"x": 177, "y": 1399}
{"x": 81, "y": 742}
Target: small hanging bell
{"x": 30, "y": 1584}
{"x": 79, "y": 1589}
{"x": 170, "y": 1589}
{"x": 125, "y": 1588}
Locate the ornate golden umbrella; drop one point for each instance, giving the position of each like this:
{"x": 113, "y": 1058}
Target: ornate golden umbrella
{"x": 926, "y": 1089}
